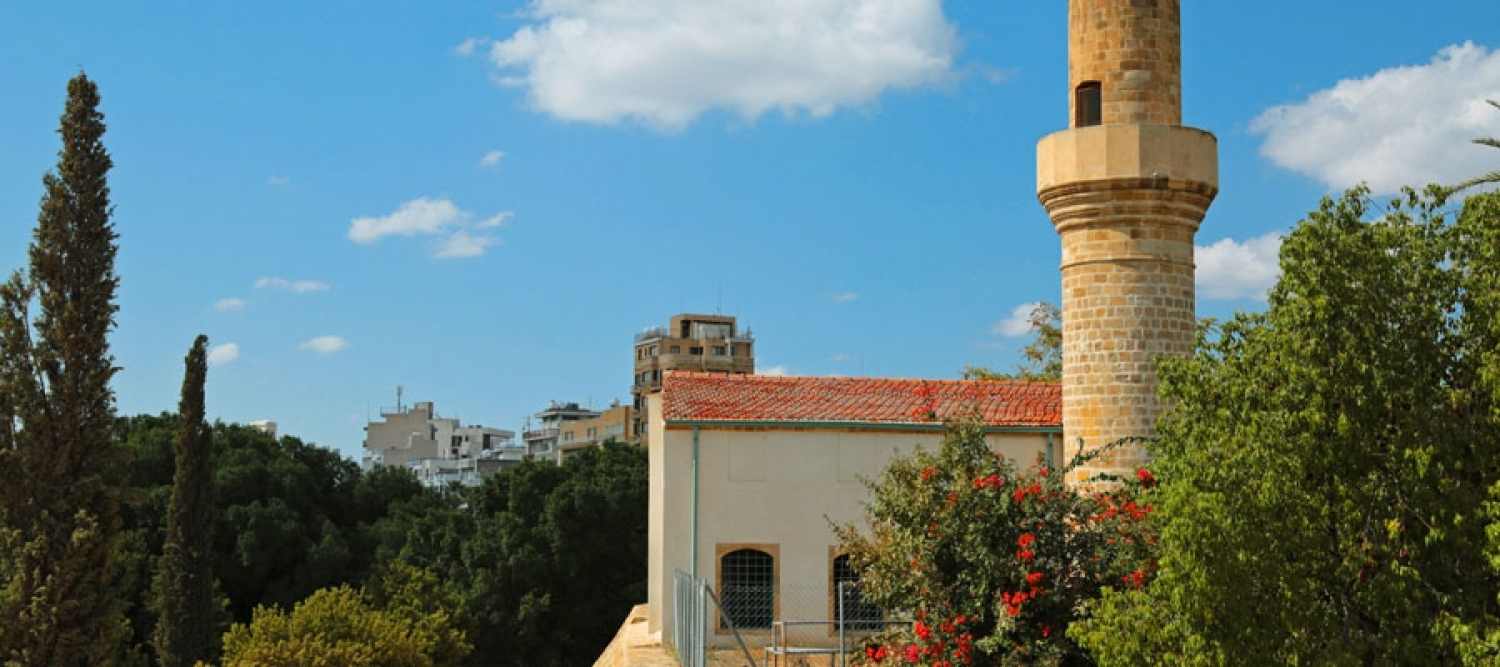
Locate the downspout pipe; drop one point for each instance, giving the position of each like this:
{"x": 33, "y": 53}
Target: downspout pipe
{"x": 694, "y": 560}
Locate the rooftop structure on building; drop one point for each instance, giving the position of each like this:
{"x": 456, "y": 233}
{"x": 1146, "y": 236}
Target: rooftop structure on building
{"x": 542, "y": 442}
{"x": 439, "y": 449}
{"x": 703, "y": 343}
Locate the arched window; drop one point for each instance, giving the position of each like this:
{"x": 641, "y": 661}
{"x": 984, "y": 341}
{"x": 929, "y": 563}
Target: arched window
{"x": 850, "y": 607}
{"x": 1088, "y": 104}
{"x": 747, "y": 588}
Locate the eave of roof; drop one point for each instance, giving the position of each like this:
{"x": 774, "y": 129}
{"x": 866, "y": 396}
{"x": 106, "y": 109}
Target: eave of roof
{"x": 759, "y": 401}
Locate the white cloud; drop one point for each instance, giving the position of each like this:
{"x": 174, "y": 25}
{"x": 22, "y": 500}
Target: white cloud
{"x": 219, "y": 355}
{"x": 299, "y": 286}
{"x": 467, "y": 47}
{"x": 665, "y": 62}
{"x": 839, "y": 357}
{"x": 1019, "y": 322}
{"x": 229, "y": 303}
{"x": 498, "y": 220}
{"x": 462, "y": 243}
{"x": 491, "y": 158}
{"x": 1399, "y": 126}
{"x": 777, "y": 371}
{"x": 418, "y": 216}
{"x": 324, "y": 344}
{"x": 279, "y": 180}
{"x": 845, "y": 297}
{"x": 1232, "y": 270}
{"x": 433, "y": 217}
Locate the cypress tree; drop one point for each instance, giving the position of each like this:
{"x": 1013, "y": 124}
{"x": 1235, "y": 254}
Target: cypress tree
{"x": 186, "y": 630}
{"x": 60, "y": 602}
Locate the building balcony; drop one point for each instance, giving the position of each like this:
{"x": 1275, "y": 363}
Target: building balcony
{"x": 542, "y": 434}
{"x": 652, "y": 333}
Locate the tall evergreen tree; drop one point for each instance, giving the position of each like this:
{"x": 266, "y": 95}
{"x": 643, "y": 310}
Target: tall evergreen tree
{"x": 186, "y": 631}
{"x": 59, "y": 603}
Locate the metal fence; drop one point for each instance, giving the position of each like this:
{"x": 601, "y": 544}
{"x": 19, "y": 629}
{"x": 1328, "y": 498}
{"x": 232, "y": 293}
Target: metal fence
{"x": 691, "y": 633}
{"x": 746, "y": 625}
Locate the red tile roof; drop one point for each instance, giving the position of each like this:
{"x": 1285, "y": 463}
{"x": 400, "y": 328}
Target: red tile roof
{"x": 692, "y": 396}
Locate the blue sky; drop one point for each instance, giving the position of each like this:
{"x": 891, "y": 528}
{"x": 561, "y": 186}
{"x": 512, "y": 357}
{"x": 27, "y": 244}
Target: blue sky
{"x": 483, "y": 202}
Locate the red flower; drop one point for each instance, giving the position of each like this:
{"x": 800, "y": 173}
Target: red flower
{"x": 923, "y": 631}
{"x": 1135, "y": 579}
{"x": 1025, "y": 540}
{"x": 912, "y": 655}
{"x": 1034, "y": 578}
{"x": 928, "y": 472}
{"x": 1147, "y": 480}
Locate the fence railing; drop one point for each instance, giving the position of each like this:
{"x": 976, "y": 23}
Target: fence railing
{"x": 690, "y": 628}
{"x": 784, "y": 624}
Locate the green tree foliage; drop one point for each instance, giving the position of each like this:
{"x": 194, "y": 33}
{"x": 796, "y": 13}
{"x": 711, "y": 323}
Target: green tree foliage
{"x": 550, "y": 559}
{"x": 993, "y": 561}
{"x": 406, "y": 618}
{"x": 1492, "y": 177}
{"x": 60, "y": 603}
{"x": 1043, "y": 355}
{"x": 288, "y": 517}
{"x": 1327, "y": 462}
{"x": 186, "y": 632}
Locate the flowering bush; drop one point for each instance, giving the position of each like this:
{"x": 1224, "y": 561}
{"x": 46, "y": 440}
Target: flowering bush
{"x": 992, "y": 562}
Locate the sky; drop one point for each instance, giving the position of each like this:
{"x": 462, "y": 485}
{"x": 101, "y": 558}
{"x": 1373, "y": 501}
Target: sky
{"x": 482, "y": 202}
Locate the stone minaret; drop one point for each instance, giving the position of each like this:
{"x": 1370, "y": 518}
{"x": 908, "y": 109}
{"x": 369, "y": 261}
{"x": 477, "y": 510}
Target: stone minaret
{"x": 1126, "y": 186}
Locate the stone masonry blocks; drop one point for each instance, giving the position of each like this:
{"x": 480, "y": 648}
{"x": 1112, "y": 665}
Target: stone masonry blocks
{"x": 1127, "y": 299}
{"x": 1133, "y": 49}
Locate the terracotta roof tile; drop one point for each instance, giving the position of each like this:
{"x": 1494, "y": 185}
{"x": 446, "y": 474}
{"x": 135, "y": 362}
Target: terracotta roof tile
{"x": 693, "y": 396}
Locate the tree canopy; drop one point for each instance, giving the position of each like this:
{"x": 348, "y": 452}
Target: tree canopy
{"x": 60, "y": 598}
{"x": 550, "y": 558}
{"x": 1326, "y": 463}
{"x": 405, "y": 618}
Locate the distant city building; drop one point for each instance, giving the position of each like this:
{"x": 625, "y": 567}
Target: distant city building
{"x": 439, "y": 449}
{"x": 705, "y": 343}
{"x": 264, "y": 426}
{"x": 612, "y": 424}
{"x": 541, "y": 443}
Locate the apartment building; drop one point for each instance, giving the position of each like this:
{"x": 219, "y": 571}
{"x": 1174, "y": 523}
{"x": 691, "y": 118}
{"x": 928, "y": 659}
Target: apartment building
{"x": 612, "y": 424}
{"x": 542, "y": 442}
{"x": 704, "y": 343}
{"x": 439, "y": 449}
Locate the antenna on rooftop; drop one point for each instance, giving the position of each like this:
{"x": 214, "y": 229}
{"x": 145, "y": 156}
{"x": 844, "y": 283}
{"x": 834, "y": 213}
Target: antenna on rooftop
{"x": 720, "y": 309}
{"x": 398, "y": 399}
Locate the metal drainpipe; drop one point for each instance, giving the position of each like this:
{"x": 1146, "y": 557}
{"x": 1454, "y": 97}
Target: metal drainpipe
{"x": 695, "y": 504}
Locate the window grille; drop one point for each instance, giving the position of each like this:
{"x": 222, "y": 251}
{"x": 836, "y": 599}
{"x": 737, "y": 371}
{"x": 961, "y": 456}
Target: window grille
{"x": 853, "y": 610}
{"x": 748, "y": 588}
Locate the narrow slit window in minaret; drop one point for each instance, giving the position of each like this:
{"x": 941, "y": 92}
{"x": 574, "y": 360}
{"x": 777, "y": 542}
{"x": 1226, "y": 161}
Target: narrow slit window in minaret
{"x": 1087, "y": 105}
